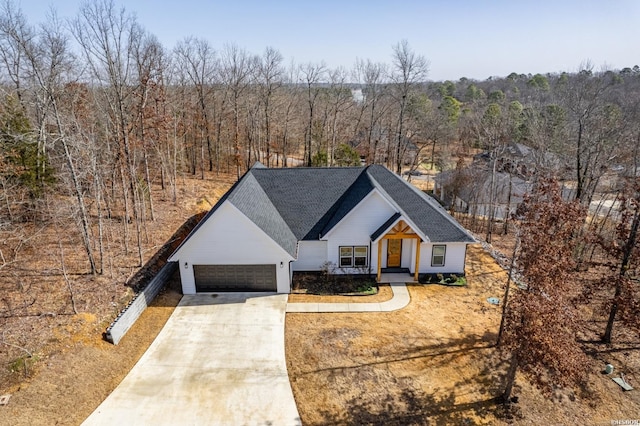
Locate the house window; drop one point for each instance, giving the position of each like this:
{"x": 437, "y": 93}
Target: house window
{"x": 360, "y": 256}
{"x": 437, "y": 255}
{"x": 356, "y": 256}
{"x": 346, "y": 257}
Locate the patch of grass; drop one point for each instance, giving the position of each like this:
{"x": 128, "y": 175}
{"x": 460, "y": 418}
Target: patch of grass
{"x": 367, "y": 289}
{"x": 23, "y": 364}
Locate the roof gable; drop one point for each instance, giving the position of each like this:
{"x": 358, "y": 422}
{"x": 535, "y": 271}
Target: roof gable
{"x": 253, "y": 202}
{"x": 353, "y": 196}
{"x": 397, "y": 227}
{"x": 428, "y": 216}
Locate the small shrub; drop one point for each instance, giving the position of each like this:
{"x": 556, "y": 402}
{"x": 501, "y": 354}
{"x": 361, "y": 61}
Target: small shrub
{"x": 447, "y": 279}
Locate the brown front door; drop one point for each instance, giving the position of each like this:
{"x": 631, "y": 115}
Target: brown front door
{"x": 394, "y": 253}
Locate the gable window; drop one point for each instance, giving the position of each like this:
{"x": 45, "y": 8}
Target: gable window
{"x": 354, "y": 256}
{"x": 437, "y": 255}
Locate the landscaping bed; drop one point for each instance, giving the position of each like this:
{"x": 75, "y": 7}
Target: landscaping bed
{"x": 320, "y": 283}
{"x": 444, "y": 279}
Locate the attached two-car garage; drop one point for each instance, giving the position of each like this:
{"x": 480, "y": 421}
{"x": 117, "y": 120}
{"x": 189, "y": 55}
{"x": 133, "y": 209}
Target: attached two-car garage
{"x": 211, "y": 278}
{"x": 226, "y": 251}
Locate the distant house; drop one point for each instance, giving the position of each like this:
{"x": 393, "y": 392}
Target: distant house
{"x": 357, "y": 95}
{"x": 470, "y": 190}
{"x": 474, "y": 195}
{"x": 274, "y": 222}
{"x": 519, "y": 160}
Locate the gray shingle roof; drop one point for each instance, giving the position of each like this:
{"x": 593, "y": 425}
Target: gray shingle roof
{"x": 307, "y": 198}
{"x": 385, "y": 226}
{"x": 250, "y": 198}
{"x": 297, "y": 204}
{"x": 425, "y": 212}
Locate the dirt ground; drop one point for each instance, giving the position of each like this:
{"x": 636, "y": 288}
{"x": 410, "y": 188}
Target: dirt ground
{"x": 73, "y": 380}
{"x": 433, "y": 362}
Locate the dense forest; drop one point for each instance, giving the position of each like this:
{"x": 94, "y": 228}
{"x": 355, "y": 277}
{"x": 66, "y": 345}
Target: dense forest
{"x": 97, "y": 118}
{"x": 94, "y": 109}
{"x": 97, "y": 109}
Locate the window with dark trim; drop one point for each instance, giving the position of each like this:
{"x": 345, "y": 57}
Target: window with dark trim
{"x": 438, "y": 254}
{"x": 354, "y": 256}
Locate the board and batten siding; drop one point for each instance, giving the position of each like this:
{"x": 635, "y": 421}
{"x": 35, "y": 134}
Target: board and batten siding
{"x": 311, "y": 256}
{"x": 453, "y": 261}
{"x": 356, "y": 228}
{"x": 228, "y": 237}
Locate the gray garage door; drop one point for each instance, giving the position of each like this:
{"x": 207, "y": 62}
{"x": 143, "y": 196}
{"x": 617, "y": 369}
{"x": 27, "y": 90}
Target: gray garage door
{"x": 235, "y": 277}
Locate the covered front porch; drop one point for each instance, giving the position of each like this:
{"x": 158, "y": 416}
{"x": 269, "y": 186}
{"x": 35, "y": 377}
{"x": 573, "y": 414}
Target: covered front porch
{"x": 392, "y": 238}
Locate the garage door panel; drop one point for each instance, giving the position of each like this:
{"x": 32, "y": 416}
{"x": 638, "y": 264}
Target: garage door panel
{"x": 235, "y": 277}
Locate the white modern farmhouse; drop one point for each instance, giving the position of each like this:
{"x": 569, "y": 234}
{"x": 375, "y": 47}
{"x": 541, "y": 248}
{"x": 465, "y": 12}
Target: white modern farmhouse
{"x": 274, "y": 222}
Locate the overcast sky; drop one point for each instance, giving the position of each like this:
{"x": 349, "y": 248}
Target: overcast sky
{"x": 460, "y": 38}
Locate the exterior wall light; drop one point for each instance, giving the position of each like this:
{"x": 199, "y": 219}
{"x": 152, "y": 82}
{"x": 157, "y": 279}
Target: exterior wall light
{"x": 186, "y": 265}
{"x": 282, "y": 264}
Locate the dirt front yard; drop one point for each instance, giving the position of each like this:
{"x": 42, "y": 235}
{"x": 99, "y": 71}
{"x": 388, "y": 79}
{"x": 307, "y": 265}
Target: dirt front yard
{"x": 433, "y": 362}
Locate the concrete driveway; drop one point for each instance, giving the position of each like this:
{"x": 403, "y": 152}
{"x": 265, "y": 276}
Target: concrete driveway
{"x": 219, "y": 360}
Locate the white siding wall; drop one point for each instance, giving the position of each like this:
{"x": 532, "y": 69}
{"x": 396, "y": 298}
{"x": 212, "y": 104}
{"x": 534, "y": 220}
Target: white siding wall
{"x": 311, "y": 256}
{"x": 408, "y": 259}
{"x": 357, "y": 227}
{"x": 453, "y": 262}
{"x": 230, "y": 238}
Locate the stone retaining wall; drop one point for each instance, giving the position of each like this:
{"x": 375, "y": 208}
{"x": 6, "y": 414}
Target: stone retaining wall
{"x": 128, "y": 316}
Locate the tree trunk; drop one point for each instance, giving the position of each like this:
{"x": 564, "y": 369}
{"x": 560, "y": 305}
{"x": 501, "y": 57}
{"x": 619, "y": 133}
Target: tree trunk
{"x": 624, "y": 265}
{"x": 580, "y": 175}
{"x": 508, "y": 208}
{"x": 84, "y": 217}
{"x": 148, "y": 179}
{"x": 608, "y": 332}
{"x": 505, "y": 299}
{"x": 86, "y": 237}
{"x": 510, "y": 379}
{"x": 492, "y": 191}
{"x": 400, "y": 136}
{"x": 433, "y": 154}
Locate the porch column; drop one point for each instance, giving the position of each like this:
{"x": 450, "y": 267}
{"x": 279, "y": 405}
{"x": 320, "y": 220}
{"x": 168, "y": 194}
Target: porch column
{"x": 379, "y": 259}
{"x": 418, "y": 241}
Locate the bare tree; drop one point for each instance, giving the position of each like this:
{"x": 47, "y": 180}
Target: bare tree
{"x": 593, "y": 127}
{"x": 291, "y": 99}
{"x": 409, "y": 69}
{"x": 340, "y": 99}
{"x": 623, "y": 248}
{"x": 13, "y": 28}
{"x": 108, "y": 38}
{"x": 197, "y": 60}
{"x": 236, "y": 70}
{"x": 270, "y": 79}
{"x": 372, "y": 77}
{"x": 47, "y": 55}
{"x": 311, "y": 76}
